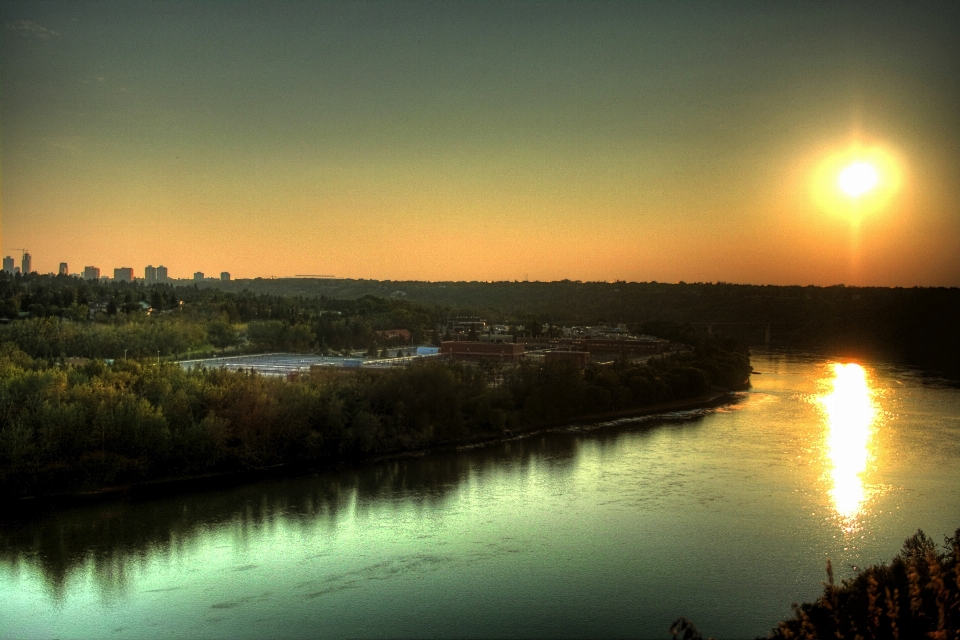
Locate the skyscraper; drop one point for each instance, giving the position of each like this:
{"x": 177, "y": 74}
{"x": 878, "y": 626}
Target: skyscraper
{"x": 27, "y": 260}
{"x": 91, "y": 273}
{"x": 64, "y": 271}
{"x": 8, "y": 265}
{"x": 150, "y": 274}
{"x": 161, "y": 274}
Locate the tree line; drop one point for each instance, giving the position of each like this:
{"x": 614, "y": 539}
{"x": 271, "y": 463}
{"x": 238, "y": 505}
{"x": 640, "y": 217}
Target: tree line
{"x": 60, "y": 317}
{"x": 915, "y": 326}
{"x": 93, "y": 424}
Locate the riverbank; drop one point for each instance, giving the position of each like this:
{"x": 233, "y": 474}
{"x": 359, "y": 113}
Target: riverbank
{"x": 583, "y": 519}
{"x": 94, "y": 427}
{"x": 162, "y": 487}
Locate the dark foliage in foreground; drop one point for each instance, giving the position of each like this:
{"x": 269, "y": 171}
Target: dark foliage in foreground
{"x": 68, "y": 427}
{"x": 915, "y": 596}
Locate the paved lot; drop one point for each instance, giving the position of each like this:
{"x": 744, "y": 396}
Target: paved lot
{"x": 281, "y": 364}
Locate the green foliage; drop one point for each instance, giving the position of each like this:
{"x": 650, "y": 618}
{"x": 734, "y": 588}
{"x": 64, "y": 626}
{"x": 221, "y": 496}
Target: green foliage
{"x": 96, "y": 424}
{"x": 53, "y": 337}
{"x": 915, "y": 326}
{"x": 222, "y": 334}
{"x": 188, "y": 317}
{"x": 90, "y": 425}
{"x": 556, "y": 390}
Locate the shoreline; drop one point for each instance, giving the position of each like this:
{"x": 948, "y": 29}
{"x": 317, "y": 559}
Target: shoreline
{"x": 164, "y": 487}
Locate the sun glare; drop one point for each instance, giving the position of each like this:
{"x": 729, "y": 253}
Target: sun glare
{"x": 856, "y": 181}
{"x": 858, "y": 178}
{"x": 850, "y": 415}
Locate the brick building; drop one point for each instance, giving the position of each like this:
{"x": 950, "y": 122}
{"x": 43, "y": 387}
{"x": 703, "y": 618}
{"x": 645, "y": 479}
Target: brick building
{"x": 462, "y": 350}
{"x": 582, "y": 358}
{"x": 619, "y": 347}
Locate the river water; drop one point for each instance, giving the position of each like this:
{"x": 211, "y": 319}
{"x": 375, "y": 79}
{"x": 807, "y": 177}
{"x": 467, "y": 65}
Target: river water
{"x": 723, "y": 516}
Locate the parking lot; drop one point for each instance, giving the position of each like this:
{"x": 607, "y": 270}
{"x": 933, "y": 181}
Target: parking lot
{"x": 282, "y": 364}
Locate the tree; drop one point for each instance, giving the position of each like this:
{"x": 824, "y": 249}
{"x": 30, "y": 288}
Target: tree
{"x": 536, "y": 329}
{"x": 222, "y": 334}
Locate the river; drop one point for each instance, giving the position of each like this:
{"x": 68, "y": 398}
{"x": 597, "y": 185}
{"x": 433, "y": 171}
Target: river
{"x": 724, "y": 516}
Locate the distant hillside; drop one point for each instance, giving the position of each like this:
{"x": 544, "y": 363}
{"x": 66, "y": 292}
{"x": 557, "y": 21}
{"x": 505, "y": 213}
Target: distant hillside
{"x": 918, "y": 326}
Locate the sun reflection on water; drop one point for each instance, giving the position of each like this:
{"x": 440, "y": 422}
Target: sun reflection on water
{"x": 850, "y": 414}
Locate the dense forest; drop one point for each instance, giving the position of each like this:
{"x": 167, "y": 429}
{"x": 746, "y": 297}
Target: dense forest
{"x": 910, "y": 326}
{"x": 62, "y": 317}
{"x": 914, "y": 326}
{"x": 90, "y": 425}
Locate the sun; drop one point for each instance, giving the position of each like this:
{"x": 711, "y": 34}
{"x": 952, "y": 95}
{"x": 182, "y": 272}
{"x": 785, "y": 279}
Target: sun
{"x": 858, "y": 178}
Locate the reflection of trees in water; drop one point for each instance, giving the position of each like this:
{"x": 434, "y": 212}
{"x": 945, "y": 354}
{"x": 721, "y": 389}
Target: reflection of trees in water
{"x": 111, "y": 540}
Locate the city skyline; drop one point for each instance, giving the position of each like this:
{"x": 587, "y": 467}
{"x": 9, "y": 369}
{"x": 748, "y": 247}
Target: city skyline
{"x": 475, "y": 141}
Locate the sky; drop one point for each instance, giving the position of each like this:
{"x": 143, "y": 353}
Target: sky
{"x": 641, "y": 141}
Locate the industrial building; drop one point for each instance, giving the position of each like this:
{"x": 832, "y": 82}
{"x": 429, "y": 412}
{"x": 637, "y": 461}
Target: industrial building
{"x": 466, "y": 325}
{"x": 582, "y": 358}
{"x": 618, "y": 347}
{"x": 539, "y": 342}
{"x": 496, "y": 337}
{"x": 464, "y": 350}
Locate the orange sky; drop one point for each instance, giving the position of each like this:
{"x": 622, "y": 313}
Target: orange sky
{"x": 478, "y": 141}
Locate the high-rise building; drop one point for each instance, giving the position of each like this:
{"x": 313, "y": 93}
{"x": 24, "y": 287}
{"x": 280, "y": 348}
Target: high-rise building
{"x": 16, "y": 270}
{"x": 8, "y": 265}
{"x": 123, "y": 274}
{"x": 150, "y": 274}
{"x": 91, "y": 273}
{"x": 26, "y": 262}
{"x": 225, "y": 276}
{"x": 198, "y": 275}
{"x": 161, "y": 274}
{"x": 64, "y": 271}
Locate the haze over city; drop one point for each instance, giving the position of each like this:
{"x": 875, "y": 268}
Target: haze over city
{"x": 478, "y": 141}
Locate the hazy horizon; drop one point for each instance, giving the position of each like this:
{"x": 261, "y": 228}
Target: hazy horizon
{"x": 483, "y": 142}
